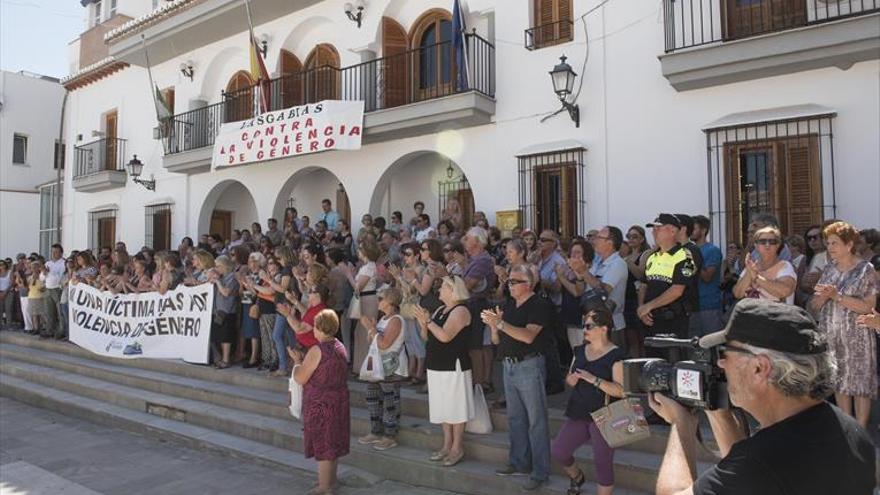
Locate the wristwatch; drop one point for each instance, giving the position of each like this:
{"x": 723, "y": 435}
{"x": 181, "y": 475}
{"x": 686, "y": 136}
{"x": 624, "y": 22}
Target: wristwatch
{"x": 500, "y": 325}
{"x": 597, "y": 382}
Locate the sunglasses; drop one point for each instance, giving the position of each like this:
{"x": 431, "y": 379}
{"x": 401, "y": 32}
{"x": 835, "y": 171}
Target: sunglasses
{"x": 633, "y": 236}
{"x": 725, "y": 348}
{"x": 511, "y": 282}
{"x": 767, "y": 242}
{"x": 590, "y": 326}
{"x": 813, "y": 237}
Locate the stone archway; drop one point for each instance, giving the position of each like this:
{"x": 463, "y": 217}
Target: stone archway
{"x": 306, "y": 188}
{"x": 426, "y": 176}
{"x": 229, "y": 205}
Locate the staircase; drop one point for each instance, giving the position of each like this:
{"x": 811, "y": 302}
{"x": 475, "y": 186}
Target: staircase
{"x": 243, "y": 413}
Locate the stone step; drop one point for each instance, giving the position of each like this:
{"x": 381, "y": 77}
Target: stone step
{"x": 633, "y": 469}
{"x": 216, "y": 388}
{"x": 405, "y": 464}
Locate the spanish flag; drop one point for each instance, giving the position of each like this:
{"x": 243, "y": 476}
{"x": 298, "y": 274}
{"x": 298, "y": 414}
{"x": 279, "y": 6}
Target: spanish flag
{"x": 258, "y": 68}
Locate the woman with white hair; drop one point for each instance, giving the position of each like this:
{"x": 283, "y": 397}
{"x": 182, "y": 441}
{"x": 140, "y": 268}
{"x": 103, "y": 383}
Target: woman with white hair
{"x": 450, "y": 384}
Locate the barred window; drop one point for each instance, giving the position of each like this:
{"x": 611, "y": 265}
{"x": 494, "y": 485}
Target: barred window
{"x": 158, "y": 227}
{"x": 551, "y": 191}
{"x": 783, "y": 167}
{"x": 102, "y": 229}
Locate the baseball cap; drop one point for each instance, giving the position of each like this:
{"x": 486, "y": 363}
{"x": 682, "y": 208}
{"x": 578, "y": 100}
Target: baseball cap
{"x": 685, "y": 220}
{"x": 770, "y": 325}
{"x": 664, "y": 219}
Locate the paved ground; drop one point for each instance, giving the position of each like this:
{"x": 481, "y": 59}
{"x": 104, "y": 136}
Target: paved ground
{"x": 44, "y": 453}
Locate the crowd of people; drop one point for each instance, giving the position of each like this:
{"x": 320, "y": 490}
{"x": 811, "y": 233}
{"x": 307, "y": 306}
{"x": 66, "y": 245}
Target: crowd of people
{"x": 443, "y": 302}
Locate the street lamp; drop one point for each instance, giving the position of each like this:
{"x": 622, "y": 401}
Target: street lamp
{"x": 563, "y": 83}
{"x": 349, "y": 11}
{"x": 135, "y": 167}
{"x": 186, "y": 68}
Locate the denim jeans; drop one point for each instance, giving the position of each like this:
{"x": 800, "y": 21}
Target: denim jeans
{"x": 280, "y": 337}
{"x": 527, "y": 417}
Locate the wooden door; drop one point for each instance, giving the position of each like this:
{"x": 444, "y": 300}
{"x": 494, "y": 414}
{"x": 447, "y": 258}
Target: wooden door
{"x": 221, "y": 223}
{"x": 551, "y": 18}
{"x": 777, "y": 176}
{"x": 750, "y": 17}
{"x": 395, "y": 64}
{"x": 111, "y": 146}
{"x": 322, "y": 74}
{"x": 239, "y": 97}
{"x": 106, "y": 232}
{"x": 291, "y": 82}
{"x": 465, "y": 199}
{"x": 162, "y": 230}
{"x": 343, "y": 206}
{"x": 556, "y": 199}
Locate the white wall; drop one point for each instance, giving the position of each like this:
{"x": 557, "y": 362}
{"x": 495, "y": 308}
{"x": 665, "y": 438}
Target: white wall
{"x": 19, "y": 223}
{"x": 646, "y": 150}
{"x": 238, "y": 200}
{"x": 309, "y": 190}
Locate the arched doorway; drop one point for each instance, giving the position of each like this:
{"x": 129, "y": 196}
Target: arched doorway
{"x": 429, "y": 177}
{"x": 306, "y": 189}
{"x": 322, "y": 74}
{"x": 228, "y": 206}
{"x": 432, "y": 37}
{"x": 396, "y": 65}
{"x": 239, "y": 97}
{"x": 291, "y": 87}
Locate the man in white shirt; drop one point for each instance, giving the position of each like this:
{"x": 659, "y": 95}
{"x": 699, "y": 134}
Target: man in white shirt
{"x": 53, "y": 277}
{"x": 609, "y": 272}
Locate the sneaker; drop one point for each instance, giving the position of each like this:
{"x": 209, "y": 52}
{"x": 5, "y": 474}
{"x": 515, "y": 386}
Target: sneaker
{"x": 531, "y": 485}
{"x": 369, "y": 439}
{"x": 385, "y": 444}
{"x": 509, "y": 470}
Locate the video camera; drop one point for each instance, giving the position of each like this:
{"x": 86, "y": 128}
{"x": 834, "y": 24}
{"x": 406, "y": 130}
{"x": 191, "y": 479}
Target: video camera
{"x": 697, "y": 382}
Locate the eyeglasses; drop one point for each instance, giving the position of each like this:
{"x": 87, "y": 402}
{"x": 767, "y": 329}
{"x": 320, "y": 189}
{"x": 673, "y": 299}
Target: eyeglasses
{"x": 590, "y": 326}
{"x": 724, "y": 348}
{"x": 767, "y": 242}
{"x": 511, "y": 282}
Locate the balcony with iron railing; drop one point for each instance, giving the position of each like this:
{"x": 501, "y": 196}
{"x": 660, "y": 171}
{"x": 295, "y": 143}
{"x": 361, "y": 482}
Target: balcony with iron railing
{"x": 406, "y": 94}
{"x": 549, "y": 34}
{"x": 99, "y": 165}
{"x": 710, "y": 42}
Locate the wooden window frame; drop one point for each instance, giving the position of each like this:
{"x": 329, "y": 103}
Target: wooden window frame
{"x": 320, "y": 77}
{"x": 431, "y": 18}
{"x": 569, "y": 163}
{"x": 239, "y": 106}
{"x": 163, "y": 213}
{"x": 553, "y": 31}
{"x": 98, "y": 221}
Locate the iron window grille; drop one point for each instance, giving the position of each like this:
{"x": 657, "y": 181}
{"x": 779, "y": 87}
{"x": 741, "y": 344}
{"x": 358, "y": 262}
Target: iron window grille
{"x": 459, "y": 189}
{"x": 782, "y": 167}
{"x": 102, "y": 229}
{"x": 157, "y": 234}
{"x": 551, "y": 191}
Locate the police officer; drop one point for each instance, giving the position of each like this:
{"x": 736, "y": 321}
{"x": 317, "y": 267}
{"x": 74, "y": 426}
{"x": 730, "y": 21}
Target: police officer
{"x": 692, "y": 294}
{"x": 668, "y": 274}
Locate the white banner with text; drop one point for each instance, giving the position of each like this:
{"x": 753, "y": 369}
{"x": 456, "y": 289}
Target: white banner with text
{"x": 322, "y": 126}
{"x": 174, "y": 325}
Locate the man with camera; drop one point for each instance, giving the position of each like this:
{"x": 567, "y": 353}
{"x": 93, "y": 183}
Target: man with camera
{"x": 778, "y": 370}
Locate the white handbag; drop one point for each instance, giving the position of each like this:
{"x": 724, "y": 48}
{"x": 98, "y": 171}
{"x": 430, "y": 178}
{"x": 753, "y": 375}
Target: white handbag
{"x": 296, "y": 397}
{"x": 371, "y": 368}
{"x": 354, "y": 308}
{"x": 482, "y": 421}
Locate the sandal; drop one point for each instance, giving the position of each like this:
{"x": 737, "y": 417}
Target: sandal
{"x": 575, "y": 484}
{"x": 222, "y": 365}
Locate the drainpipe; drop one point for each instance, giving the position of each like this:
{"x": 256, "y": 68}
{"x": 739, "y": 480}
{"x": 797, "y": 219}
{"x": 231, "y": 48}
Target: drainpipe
{"x": 60, "y": 166}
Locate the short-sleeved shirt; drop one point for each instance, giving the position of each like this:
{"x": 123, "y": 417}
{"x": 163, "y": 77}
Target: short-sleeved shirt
{"x": 710, "y": 292}
{"x": 226, "y": 303}
{"x": 535, "y": 311}
{"x": 818, "y": 451}
{"x": 785, "y": 270}
{"x": 662, "y": 271}
{"x": 613, "y": 271}
{"x": 547, "y": 272}
{"x": 308, "y": 339}
{"x": 692, "y": 294}
{"x": 482, "y": 268}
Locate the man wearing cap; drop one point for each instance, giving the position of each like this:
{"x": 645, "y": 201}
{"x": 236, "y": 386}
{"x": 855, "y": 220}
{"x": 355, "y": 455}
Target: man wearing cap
{"x": 779, "y": 371}
{"x": 668, "y": 274}
{"x": 692, "y": 294}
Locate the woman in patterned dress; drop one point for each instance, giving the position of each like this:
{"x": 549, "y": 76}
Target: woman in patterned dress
{"x": 325, "y": 409}
{"x": 847, "y": 289}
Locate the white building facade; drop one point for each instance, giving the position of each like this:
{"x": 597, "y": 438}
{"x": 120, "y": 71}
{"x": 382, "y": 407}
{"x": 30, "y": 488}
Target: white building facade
{"x": 695, "y": 106}
{"x": 30, "y": 120}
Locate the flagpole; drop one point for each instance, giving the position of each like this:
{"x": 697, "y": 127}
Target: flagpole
{"x": 150, "y": 74}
